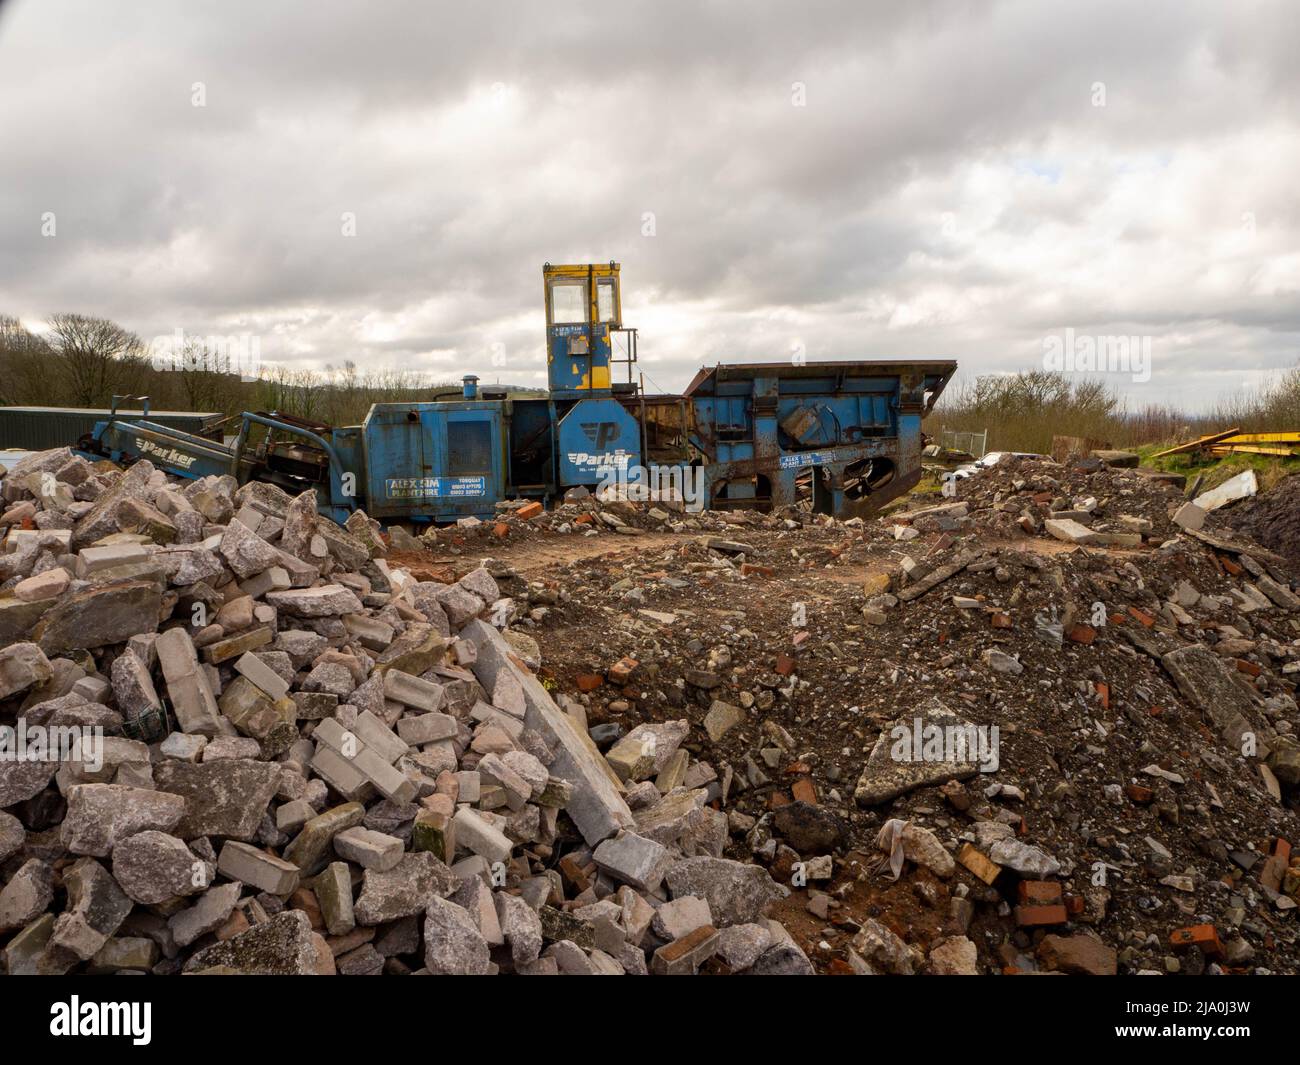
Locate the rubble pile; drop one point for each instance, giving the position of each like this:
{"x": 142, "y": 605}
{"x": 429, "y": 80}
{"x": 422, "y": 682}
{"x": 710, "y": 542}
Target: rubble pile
{"x": 1272, "y": 519}
{"x": 1138, "y": 660}
{"x": 1045, "y": 721}
{"x": 237, "y": 739}
{"x": 580, "y": 513}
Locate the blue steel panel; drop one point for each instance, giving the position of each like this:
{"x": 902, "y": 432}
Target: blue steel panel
{"x": 595, "y": 436}
{"x": 432, "y": 461}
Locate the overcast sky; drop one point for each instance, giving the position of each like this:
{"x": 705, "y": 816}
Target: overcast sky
{"x": 842, "y": 180}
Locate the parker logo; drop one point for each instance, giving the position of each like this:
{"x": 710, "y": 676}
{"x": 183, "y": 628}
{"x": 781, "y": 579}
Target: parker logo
{"x": 600, "y": 433}
{"x": 604, "y": 460}
{"x": 168, "y": 455}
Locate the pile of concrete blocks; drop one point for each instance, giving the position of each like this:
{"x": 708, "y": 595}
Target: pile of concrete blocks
{"x": 237, "y": 740}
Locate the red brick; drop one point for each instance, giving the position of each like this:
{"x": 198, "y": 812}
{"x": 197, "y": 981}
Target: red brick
{"x": 1040, "y": 916}
{"x": 1141, "y": 616}
{"x": 529, "y": 510}
{"x": 1271, "y": 873}
{"x": 1198, "y": 935}
{"x": 1139, "y": 793}
{"x": 784, "y": 664}
{"x": 1103, "y": 694}
{"x": 1083, "y": 634}
{"x": 804, "y": 790}
{"x": 501, "y": 530}
{"x": 575, "y": 874}
{"x": 305, "y": 899}
{"x": 1249, "y": 668}
{"x": 999, "y": 620}
{"x": 589, "y": 682}
{"x": 1232, "y": 567}
{"x": 747, "y": 568}
{"x": 621, "y": 671}
{"x": 1038, "y": 892}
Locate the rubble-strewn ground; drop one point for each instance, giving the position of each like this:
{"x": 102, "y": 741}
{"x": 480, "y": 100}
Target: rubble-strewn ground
{"x": 1272, "y": 519}
{"x": 387, "y": 757}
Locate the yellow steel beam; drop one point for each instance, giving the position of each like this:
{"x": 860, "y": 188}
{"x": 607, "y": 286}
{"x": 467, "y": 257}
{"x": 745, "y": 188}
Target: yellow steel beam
{"x": 1251, "y": 449}
{"x": 1263, "y": 438}
{"x": 1203, "y": 441}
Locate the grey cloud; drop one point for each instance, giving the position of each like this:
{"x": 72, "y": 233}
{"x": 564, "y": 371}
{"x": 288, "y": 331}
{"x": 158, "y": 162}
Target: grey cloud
{"x": 949, "y": 188}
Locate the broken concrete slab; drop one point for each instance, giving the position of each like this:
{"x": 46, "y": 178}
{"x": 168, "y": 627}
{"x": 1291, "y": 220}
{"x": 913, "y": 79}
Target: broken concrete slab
{"x": 596, "y": 806}
{"x": 326, "y": 600}
{"x": 1207, "y": 684}
{"x": 99, "y": 615}
{"x": 152, "y": 867}
{"x": 226, "y": 798}
{"x": 404, "y": 890}
{"x": 22, "y": 666}
{"x": 1242, "y": 486}
{"x": 453, "y": 945}
{"x": 899, "y": 762}
{"x": 633, "y": 859}
{"x": 281, "y": 946}
{"x": 99, "y": 815}
{"x": 736, "y": 892}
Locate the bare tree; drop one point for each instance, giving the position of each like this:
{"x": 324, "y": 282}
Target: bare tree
{"x": 205, "y": 374}
{"x": 97, "y": 356}
{"x": 24, "y": 364}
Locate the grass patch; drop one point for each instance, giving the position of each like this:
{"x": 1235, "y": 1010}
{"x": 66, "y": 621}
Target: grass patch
{"x": 1269, "y": 470}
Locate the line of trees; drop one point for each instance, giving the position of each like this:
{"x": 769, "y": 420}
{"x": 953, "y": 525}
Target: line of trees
{"x": 82, "y": 361}
{"x": 1023, "y": 411}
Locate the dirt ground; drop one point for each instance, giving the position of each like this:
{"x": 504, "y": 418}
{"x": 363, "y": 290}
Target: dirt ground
{"x": 1273, "y": 519}
{"x": 780, "y": 630}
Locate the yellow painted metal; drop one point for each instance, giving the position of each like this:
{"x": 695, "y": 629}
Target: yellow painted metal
{"x": 596, "y": 272}
{"x": 593, "y": 276}
{"x": 1262, "y": 438}
{"x": 1279, "y": 443}
{"x": 1251, "y": 449}
{"x": 1192, "y": 445}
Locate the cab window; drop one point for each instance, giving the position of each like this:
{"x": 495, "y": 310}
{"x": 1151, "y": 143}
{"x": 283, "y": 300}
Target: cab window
{"x": 568, "y": 302}
{"x": 606, "y": 307}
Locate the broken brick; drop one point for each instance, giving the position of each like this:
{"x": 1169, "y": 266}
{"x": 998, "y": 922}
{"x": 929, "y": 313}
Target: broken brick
{"x": 1041, "y": 916}
{"x": 1203, "y": 936}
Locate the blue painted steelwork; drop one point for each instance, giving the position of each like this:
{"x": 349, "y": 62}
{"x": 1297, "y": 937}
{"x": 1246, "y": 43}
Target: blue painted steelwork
{"x": 844, "y": 435}
{"x": 583, "y": 308}
{"x": 596, "y": 436}
{"x": 435, "y": 461}
{"x": 848, "y": 431}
